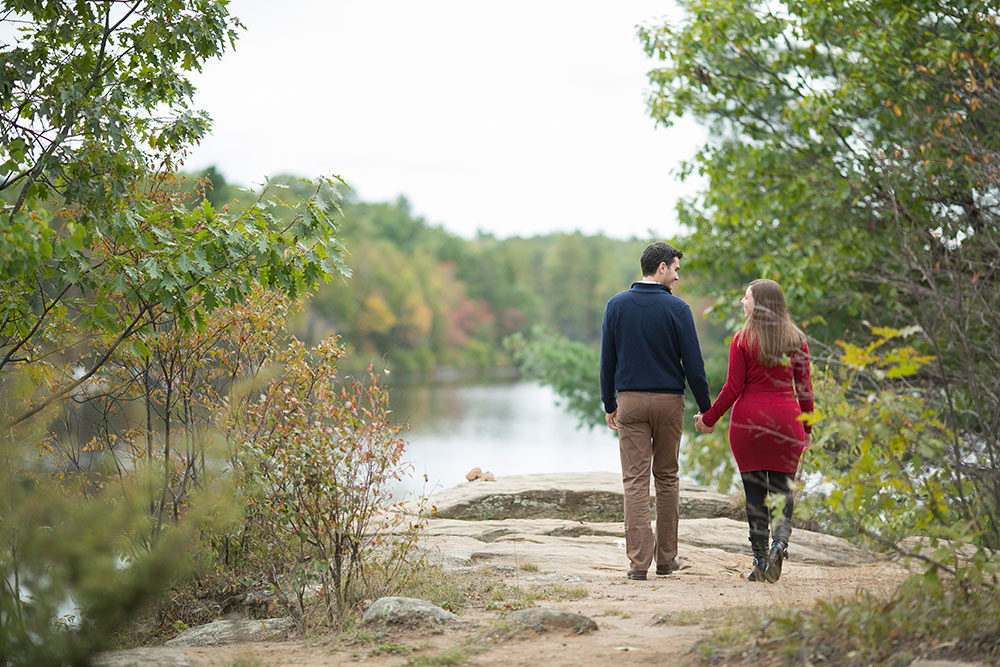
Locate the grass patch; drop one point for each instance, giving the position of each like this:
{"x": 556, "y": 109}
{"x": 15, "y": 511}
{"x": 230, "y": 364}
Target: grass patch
{"x": 683, "y": 617}
{"x": 926, "y": 617}
{"x": 558, "y": 592}
{"x": 247, "y": 661}
{"x": 480, "y": 590}
{"x": 458, "y": 591}
{"x": 617, "y": 612}
{"x": 687, "y": 618}
{"x": 495, "y": 633}
{"x": 449, "y": 591}
{"x": 720, "y": 618}
{"x": 362, "y": 644}
{"x": 391, "y": 649}
{"x": 357, "y": 640}
{"x": 455, "y": 656}
{"x": 529, "y": 567}
{"x": 512, "y": 598}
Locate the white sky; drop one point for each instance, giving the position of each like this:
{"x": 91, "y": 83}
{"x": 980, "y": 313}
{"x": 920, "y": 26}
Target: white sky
{"x": 514, "y": 118}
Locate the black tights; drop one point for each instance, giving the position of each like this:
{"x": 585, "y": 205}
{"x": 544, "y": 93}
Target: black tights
{"x": 757, "y": 485}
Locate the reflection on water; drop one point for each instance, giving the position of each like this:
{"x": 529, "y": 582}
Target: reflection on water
{"x": 507, "y": 428}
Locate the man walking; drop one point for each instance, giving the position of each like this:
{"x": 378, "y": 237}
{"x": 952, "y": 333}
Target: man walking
{"x": 648, "y": 349}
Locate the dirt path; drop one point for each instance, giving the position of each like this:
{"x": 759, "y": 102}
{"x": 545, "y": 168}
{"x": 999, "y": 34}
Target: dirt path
{"x": 640, "y": 622}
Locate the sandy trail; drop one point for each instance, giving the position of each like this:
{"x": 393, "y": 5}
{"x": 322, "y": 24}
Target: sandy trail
{"x": 640, "y": 622}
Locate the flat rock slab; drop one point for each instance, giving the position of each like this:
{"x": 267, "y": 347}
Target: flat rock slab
{"x": 590, "y": 497}
{"x": 804, "y": 546}
{"x": 548, "y": 542}
{"x": 542, "y": 620}
{"x": 493, "y": 530}
{"x": 407, "y": 612}
{"x": 228, "y": 632}
{"x": 145, "y": 657}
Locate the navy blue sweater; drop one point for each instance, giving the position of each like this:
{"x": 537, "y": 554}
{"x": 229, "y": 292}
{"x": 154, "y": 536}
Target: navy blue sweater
{"x": 648, "y": 343}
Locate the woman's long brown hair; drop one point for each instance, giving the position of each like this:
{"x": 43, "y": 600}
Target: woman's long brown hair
{"x": 770, "y": 325}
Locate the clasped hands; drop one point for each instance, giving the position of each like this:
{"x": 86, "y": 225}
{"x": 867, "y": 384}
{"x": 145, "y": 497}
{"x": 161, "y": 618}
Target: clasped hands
{"x": 699, "y": 424}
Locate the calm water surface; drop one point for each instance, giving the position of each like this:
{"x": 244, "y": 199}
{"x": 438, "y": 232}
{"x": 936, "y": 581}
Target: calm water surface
{"x": 507, "y": 428}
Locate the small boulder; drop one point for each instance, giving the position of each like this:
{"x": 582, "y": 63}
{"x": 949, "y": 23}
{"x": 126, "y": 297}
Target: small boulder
{"x": 228, "y": 632}
{"x": 407, "y": 612}
{"x": 541, "y": 620}
{"x": 474, "y": 474}
{"x": 488, "y": 477}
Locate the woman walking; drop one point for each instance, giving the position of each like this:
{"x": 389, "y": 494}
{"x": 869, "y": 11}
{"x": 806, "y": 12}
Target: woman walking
{"x": 768, "y": 385}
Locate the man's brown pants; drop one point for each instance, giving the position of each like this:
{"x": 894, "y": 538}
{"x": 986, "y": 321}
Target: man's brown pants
{"x": 649, "y": 435}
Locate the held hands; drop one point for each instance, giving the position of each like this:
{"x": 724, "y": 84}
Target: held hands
{"x": 699, "y": 424}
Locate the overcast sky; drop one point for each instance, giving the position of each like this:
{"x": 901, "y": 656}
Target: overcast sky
{"x": 514, "y": 118}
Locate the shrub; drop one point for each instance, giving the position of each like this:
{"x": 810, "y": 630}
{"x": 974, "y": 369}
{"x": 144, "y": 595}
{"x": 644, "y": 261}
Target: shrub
{"x": 81, "y": 570}
{"x": 316, "y": 455}
{"x": 928, "y": 615}
{"x": 889, "y": 467}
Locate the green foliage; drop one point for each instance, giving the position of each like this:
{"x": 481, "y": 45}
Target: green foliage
{"x": 98, "y": 246}
{"x": 152, "y": 262}
{"x": 316, "y": 455}
{"x": 882, "y": 450}
{"x": 842, "y": 137}
{"x": 707, "y": 459}
{"x": 927, "y": 617}
{"x": 880, "y": 463}
{"x": 854, "y": 159}
{"x": 94, "y": 95}
{"x": 421, "y": 297}
{"x": 77, "y": 574}
{"x": 123, "y": 310}
{"x": 570, "y": 368}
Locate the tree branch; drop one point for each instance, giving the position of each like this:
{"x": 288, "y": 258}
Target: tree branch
{"x": 129, "y": 330}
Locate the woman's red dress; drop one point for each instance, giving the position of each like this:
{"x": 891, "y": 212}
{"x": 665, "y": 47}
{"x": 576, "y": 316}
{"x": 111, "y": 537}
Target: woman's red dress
{"x": 764, "y": 430}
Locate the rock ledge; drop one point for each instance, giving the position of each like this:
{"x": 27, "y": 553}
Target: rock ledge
{"x": 592, "y": 497}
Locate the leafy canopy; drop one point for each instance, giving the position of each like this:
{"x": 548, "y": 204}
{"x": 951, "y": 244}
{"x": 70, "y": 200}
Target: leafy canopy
{"x": 98, "y": 244}
{"x": 844, "y": 135}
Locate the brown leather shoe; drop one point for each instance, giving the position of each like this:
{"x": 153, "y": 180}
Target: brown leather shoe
{"x": 637, "y": 574}
{"x": 675, "y": 565}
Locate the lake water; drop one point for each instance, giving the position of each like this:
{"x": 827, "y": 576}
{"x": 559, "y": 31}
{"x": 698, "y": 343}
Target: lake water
{"x": 507, "y": 428}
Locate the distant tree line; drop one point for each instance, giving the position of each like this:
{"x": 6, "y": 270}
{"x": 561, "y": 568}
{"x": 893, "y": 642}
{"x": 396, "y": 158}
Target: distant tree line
{"x": 420, "y": 297}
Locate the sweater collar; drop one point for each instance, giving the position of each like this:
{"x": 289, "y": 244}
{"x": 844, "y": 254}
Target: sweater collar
{"x": 650, "y": 287}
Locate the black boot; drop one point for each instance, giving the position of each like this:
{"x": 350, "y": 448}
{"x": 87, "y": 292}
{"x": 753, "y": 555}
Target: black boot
{"x": 779, "y": 551}
{"x": 760, "y": 560}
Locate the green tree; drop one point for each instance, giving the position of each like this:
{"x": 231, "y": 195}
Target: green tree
{"x": 854, "y": 158}
{"x": 101, "y": 260}
{"x": 840, "y": 132}
{"x": 95, "y": 94}
{"x": 94, "y": 237}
